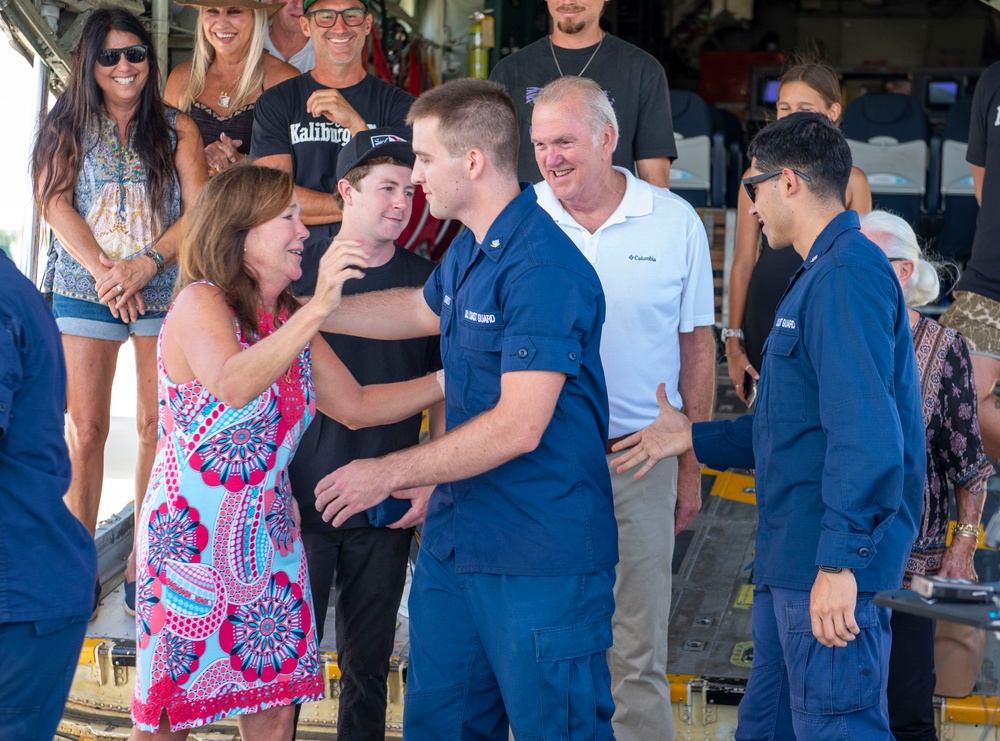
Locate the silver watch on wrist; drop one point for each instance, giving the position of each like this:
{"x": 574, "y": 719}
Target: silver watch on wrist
{"x": 727, "y": 333}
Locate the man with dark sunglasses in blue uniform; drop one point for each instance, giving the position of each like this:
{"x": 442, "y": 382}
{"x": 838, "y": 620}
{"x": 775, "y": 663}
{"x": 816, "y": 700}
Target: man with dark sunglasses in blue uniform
{"x": 837, "y": 442}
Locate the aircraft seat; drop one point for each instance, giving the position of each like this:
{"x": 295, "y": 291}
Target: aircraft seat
{"x": 958, "y": 196}
{"x": 888, "y": 134}
{"x": 698, "y": 173}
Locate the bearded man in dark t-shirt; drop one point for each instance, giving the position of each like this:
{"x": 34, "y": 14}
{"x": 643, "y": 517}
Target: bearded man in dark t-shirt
{"x": 301, "y": 125}
{"x": 365, "y": 558}
{"x": 634, "y": 82}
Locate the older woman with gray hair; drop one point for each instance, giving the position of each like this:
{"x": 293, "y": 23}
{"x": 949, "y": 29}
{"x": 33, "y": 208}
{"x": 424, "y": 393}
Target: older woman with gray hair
{"x": 954, "y": 453}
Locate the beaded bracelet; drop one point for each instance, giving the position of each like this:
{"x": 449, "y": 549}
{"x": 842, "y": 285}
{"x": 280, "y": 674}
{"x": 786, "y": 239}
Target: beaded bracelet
{"x": 967, "y": 529}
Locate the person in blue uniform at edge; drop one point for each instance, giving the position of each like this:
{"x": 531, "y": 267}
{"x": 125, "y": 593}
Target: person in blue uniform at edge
{"x": 48, "y": 561}
{"x": 837, "y": 442}
{"x": 512, "y": 595}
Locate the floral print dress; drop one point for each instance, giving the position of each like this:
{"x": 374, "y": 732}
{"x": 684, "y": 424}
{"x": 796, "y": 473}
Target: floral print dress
{"x": 223, "y": 610}
{"x": 954, "y": 446}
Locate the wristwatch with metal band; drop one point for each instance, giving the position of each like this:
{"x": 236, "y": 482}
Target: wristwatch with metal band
{"x": 727, "y": 333}
{"x": 831, "y": 569}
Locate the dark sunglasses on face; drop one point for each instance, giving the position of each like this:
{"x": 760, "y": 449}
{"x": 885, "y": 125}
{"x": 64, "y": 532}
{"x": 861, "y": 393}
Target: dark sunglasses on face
{"x": 133, "y": 55}
{"x": 750, "y": 184}
{"x": 328, "y": 18}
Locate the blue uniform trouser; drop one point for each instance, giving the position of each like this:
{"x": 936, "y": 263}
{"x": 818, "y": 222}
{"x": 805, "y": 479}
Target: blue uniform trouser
{"x": 800, "y": 689}
{"x": 487, "y": 650}
{"x": 39, "y": 660}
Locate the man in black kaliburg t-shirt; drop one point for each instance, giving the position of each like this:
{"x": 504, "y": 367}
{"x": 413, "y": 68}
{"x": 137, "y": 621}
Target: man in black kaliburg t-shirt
{"x": 302, "y": 124}
{"x": 365, "y": 558}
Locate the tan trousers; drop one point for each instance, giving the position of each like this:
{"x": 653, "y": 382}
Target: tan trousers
{"x": 638, "y": 660}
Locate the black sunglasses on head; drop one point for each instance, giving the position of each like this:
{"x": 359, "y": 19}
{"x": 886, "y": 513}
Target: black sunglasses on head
{"x": 750, "y": 184}
{"x": 133, "y": 55}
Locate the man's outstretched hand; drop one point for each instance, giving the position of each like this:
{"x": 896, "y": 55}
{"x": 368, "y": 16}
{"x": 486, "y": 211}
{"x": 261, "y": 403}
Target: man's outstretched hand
{"x": 666, "y": 436}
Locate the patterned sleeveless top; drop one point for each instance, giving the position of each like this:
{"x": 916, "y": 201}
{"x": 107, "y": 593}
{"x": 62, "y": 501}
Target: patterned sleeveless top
{"x": 110, "y": 195}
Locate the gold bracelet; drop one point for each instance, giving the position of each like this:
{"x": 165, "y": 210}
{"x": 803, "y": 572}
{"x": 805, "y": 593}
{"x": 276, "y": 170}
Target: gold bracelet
{"x": 967, "y": 529}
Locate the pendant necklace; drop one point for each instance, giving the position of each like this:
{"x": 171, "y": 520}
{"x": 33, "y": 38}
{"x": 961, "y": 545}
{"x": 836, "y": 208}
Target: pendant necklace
{"x": 553, "y": 50}
{"x": 224, "y": 97}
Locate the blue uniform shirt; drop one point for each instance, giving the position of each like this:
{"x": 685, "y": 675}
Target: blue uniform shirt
{"x": 525, "y": 299}
{"x": 48, "y": 562}
{"x": 838, "y": 435}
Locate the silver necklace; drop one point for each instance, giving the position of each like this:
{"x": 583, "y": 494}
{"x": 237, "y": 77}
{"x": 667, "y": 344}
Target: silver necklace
{"x": 552, "y": 49}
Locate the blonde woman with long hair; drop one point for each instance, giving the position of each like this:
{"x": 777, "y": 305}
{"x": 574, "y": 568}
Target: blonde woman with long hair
{"x": 219, "y": 86}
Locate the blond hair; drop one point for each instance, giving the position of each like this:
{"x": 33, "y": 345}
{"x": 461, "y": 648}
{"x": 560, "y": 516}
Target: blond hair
{"x": 251, "y": 80}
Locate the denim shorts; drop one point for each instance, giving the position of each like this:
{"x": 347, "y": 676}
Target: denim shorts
{"x": 89, "y": 319}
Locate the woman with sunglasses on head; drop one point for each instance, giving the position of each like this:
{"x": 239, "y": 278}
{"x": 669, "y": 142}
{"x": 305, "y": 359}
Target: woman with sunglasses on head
{"x": 229, "y": 70}
{"x": 954, "y": 454}
{"x": 113, "y": 170}
{"x": 759, "y": 274}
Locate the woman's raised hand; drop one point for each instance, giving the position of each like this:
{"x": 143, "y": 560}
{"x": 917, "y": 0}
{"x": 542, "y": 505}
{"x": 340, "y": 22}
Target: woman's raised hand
{"x": 344, "y": 260}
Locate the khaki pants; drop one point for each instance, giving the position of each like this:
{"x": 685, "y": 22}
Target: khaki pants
{"x": 638, "y": 660}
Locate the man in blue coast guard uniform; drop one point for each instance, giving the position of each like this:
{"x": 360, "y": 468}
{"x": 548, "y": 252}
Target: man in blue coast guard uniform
{"x": 838, "y": 445}
{"x": 48, "y": 562}
{"x": 512, "y": 597}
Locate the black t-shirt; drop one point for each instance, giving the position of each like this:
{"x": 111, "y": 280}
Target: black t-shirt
{"x": 282, "y": 125}
{"x": 327, "y": 445}
{"x": 634, "y": 82}
{"x": 982, "y": 274}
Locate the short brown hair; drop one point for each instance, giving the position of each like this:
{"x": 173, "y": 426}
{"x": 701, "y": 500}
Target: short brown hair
{"x": 212, "y": 249}
{"x": 356, "y": 174}
{"x": 473, "y": 114}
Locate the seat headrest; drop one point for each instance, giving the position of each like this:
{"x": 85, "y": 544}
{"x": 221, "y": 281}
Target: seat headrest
{"x": 889, "y": 114}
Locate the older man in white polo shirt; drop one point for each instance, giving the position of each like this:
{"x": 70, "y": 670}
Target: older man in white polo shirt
{"x": 651, "y": 252}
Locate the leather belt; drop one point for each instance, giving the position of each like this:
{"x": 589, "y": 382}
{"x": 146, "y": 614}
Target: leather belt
{"x": 616, "y": 440}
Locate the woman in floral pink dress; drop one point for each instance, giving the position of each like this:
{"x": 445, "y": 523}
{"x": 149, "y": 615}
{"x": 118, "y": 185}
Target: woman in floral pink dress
{"x": 223, "y": 610}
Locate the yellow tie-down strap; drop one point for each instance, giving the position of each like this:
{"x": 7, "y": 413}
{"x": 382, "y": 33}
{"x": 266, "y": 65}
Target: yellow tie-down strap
{"x": 979, "y": 710}
{"x": 735, "y": 486}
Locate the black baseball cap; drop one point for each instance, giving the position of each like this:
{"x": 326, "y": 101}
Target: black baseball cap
{"x": 372, "y": 143}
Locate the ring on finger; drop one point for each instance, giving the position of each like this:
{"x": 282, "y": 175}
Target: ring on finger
{"x": 119, "y": 288}
{"x": 747, "y": 369}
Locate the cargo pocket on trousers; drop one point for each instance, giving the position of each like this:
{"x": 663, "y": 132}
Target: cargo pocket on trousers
{"x": 833, "y": 681}
{"x": 574, "y": 681}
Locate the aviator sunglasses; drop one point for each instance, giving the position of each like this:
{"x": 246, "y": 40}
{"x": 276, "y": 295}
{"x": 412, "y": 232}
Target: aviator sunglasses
{"x": 751, "y": 183}
{"x": 328, "y": 18}
{"x": 133, "y": 55}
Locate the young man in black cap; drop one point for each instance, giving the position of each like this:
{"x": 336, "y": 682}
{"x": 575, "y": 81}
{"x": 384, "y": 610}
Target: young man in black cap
{"x": 365, "y": 558}
{"x": 302, "y": 124}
